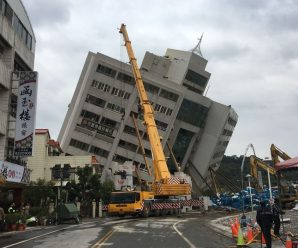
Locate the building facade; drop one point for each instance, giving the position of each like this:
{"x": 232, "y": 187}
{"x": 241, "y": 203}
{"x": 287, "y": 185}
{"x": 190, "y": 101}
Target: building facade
{"x": 17, "y": 49}
{"x": 48, "y": 155}
{"x": 17, "y": 52}
{"x": 99, "y": 119}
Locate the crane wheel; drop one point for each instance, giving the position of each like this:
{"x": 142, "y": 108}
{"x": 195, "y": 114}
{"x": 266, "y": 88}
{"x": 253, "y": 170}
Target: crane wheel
{"x": 146, "y": 211}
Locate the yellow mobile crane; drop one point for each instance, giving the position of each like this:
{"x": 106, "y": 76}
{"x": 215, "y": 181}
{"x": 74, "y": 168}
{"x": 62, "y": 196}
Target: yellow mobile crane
{"x": 166, "y": 189}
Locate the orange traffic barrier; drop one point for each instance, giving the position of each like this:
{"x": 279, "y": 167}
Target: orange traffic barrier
{"x": 289, "y": 243}
{"x": 249, "y": 235}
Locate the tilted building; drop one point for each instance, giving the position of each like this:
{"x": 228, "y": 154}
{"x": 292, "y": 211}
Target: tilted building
{"x": 99, "y": 119}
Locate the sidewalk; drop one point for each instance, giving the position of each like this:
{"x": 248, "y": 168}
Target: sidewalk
{"x": 33, "y": 228}
{"x": 222, "y": 226}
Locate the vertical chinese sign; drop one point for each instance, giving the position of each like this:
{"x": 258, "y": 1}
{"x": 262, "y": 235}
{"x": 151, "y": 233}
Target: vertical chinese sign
{"x": 26, "y": 109}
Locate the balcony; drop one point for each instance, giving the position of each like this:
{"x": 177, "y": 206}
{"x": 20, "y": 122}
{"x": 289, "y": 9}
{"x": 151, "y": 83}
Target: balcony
{"x": 4, "y": 76}
{"x": 3, "y": 122}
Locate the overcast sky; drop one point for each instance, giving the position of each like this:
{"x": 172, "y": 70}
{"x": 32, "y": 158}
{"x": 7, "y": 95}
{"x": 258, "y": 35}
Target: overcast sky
{"x": 250, "y": 45}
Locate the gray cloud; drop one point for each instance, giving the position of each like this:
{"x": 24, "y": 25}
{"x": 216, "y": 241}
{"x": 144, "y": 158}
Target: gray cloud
{"x": 48, "y": 13}
{"x": 250, "y": 46}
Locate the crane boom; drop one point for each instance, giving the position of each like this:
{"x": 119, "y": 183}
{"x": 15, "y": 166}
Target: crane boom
{"x": 164, "y": 184}
{"x": 276, "y": 153}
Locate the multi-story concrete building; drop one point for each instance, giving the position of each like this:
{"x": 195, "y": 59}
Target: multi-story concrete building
{"x": 48, "y": 154}
{"x": 99, "y": 118}
{"x": 17, "y": 48}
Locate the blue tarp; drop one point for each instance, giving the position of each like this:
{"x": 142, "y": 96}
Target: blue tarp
{"x": 242, "y": 199}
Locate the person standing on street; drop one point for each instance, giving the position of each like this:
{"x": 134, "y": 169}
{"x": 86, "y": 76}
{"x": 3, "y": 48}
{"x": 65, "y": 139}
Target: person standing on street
{"x": 276, "y": 216}
{"x": 265, "y": 220}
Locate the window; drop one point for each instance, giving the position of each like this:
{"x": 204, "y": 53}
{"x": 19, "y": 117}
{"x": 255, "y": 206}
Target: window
{"x": 169, "y": 95}
{"x": 8, "y": 12}
{"x": 125, "y": 78}
{"x": 157, "y": 107}
{"x": 161, "y": 125}
{"x": 196, "y": 78}
{"x": 109, "y": 122}
{"x": 101, "y": 86}
{"x": 79, "y": 144}
{"x": 151, "y": 88}
{"x": 120, "y": 159}
{"x": 131, "y": 130}
{"x": 21, "y": 31}
{"x": 102, "y": 129}
{"x": 106, "y": 70}
{"x": 115, "y": 108}
{"x": 95, "y": 101}
{"x": 128, "y": 145}
{"x": 192, "y": 113}
{"x": 120, "y": 93}
{"x": 99, "y": 151}
{"x": 89, "y": 115}
{"x": 232, "y": 122}
{"x": 13, "y": 105}
{"x": 193, "y": 89}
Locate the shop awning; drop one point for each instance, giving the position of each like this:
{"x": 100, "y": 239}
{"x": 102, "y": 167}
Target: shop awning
{"x": 287, "y": 164}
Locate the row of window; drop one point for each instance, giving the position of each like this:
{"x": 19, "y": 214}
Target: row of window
{"x": 95, "y": 118}
{"x": 101, "y": 86}
{"x": 130, "y": 80}
{"x": 120, "y": 93}
{"x": 17, "y": 25}
{"x": 101, "y": 103}
{"x": 192, "y": 113}
{"x": 99, "y": 151}
{"x": 93, "y": 149}
{"x": 95, "y": 101}
{"x": 227, "y": 132}
{"x": 218, "y": 154}
{"x": 232, "y": 122}
{"x": 163, "y": 109}
{"x": 193, "y": 89}
{"x": 99, "y": 128}
{"x": 196, "y": 78}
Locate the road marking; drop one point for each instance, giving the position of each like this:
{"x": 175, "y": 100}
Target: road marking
{"x": 103, "y": 239}
{"x": 181, "y": 234}
{"x": 26, "y": 240}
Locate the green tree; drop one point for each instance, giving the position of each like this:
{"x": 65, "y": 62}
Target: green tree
{"x": 106, "y": 189}
{"x": 38, "y": 193}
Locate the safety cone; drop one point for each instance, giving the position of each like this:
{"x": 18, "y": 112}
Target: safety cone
{"x": 237, "y": 224}
{"x": 289, "y": 243}
{"x": 249, "y": 236}
{"x": 234, "y": 231}
{"x": 240, "y": 239}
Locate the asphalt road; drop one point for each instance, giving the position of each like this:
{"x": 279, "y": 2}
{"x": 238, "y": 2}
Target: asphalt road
{"x": 191, "y": 230}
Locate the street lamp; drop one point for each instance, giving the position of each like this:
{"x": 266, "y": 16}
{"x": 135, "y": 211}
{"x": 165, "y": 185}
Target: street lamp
{"x": 248, "y": 176}
{"x": 242, "y": 164}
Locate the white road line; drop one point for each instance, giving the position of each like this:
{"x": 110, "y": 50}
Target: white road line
{"x": 26, "y": 240}
{"x": 181, "y": 234}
